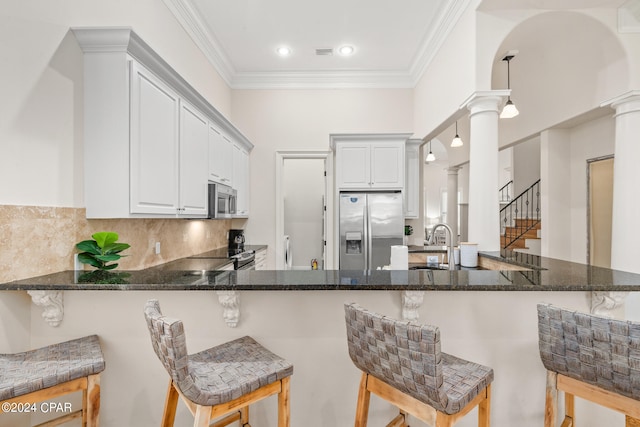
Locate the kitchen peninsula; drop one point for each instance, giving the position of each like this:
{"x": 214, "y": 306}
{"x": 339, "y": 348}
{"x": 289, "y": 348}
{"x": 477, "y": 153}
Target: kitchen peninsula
{"x": 510, "y": 271}
{"x": 484, "y": 315}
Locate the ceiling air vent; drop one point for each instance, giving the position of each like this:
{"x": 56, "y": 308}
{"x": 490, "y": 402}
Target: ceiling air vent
{"x": 324, "y": 51}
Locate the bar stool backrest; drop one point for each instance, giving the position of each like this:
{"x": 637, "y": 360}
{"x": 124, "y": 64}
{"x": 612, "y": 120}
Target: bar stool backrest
{"x": 596, "y": 350}
{"x": 405, "y": 355}
{"x": 169, "y": 343}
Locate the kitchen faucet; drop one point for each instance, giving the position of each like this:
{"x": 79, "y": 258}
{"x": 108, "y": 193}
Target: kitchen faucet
{"x": 431, "y": 238}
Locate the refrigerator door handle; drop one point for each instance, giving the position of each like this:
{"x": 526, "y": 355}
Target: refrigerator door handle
{"x": 369, "y": 240}
{"x": 365, "y": 234}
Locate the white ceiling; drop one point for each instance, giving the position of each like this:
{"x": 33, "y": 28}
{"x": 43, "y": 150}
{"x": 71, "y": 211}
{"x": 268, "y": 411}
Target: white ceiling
{"x": 394, "y": 39}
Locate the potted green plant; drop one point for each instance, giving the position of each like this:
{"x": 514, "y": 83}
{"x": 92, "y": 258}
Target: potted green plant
{"x": 99, "y": 253}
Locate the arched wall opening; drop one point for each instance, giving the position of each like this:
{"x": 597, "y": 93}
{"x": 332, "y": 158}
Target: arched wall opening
{"x": 567, "y": 64}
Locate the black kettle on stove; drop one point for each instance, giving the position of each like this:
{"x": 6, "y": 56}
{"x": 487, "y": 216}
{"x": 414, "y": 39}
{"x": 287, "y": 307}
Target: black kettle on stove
{"x": 236, "y": 241}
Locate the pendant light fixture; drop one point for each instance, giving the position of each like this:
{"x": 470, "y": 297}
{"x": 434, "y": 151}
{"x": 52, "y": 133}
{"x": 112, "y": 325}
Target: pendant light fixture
{"x": 509, "y": 109}
{"x": 430, "y": 157}
{"x": 457, "y": 141}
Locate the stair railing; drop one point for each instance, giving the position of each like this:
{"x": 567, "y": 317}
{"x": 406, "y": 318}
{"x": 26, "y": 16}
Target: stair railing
{"x": 505, "y": 192}
{"x": 520, "y": 215}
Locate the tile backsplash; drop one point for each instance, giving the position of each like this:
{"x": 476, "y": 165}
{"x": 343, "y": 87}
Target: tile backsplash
{"x": 37, "y": 240}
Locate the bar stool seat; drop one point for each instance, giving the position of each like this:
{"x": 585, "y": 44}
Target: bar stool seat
{"x": 221, "y": 381}
{"x": 38, "y": 375}
{"x": 592, "y": 357}
{"x": 401, "y": 362}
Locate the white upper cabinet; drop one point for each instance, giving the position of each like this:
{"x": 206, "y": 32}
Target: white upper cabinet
{"x": 154, "y": 144}
{"x": 370, "y": 161}
{"x": 220, "y": 151}
{"x": 387, "y": 165}
{"x": 241, "y": 180}
{"x": 151, "y": 141}
{"x": 194, "y": 165}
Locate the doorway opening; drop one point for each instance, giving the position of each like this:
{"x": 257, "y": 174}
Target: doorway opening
{"x": 302, "y": 204}
{"x": 599, "y": 210}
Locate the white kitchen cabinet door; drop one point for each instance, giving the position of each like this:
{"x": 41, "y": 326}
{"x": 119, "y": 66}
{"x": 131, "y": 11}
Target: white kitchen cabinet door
{"x": 241, "y": 180}
{"x": 194, "y": 165}
{"x": 154, "y": 164}
{"x": 387, "y": 165}
{"x": 261, "y": 259}
{"x": 220, "y": 157}
{"x": 353, "y": 163}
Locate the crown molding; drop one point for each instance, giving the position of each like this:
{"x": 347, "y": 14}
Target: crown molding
{"x": 436, "y": 38}
{"x": 203, "y": 38}
{"x": 322, "y": 80}
{"x": 186, "y": 15}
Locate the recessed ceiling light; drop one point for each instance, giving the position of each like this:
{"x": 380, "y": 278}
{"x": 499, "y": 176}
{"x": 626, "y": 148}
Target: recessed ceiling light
{"x": 346, "y": 50}
{"x": 283, "y": 51}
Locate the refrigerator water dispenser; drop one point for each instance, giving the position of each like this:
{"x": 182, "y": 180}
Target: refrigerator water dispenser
{"x": 354, "y": 243}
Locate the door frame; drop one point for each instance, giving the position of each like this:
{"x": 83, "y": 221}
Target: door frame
{"x": 589, "y": 237}
{"x": 327, "y": 156}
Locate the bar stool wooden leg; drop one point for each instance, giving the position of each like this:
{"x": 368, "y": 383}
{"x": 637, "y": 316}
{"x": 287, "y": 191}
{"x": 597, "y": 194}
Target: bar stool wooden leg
{"x": 92, "y": 401}
{"x": 399, "y": 421}
{"x": 484, "y": 409}
{"x": 170, "y": 405}
{"x": 631, "y": 422}
{"x": 202, "y": 416}
{"x": 284, "y": 416}
{"x": 244, "y": 417}
{"x": 551, "y": 400}
{"x": 569, "y": 416}
{"x": 362, "y": 407}
{"x": 443, "y": 420}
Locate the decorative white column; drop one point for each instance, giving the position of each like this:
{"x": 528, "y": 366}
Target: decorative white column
{"x": 452, "y": 201}
{"x": 626, "y": 205}
{"x": 484, "y": 204}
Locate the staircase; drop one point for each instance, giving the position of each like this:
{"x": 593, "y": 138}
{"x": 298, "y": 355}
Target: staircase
{"x": 520, "y": 221}
{"x": 514, "y": 238}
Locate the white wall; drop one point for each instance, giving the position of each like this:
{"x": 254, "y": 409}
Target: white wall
{"x": 303, "y": 204}
{"x": 304, "y": 119}
{"x": 563, "y": 169}
{"x": 449, "y": 79}
{"x": 526, "y": 164}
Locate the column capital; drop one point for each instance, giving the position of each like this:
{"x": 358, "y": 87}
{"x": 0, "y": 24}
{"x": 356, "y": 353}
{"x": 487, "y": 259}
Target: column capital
{"x": 485, "y": 100}
{"x": 626, "y": 103}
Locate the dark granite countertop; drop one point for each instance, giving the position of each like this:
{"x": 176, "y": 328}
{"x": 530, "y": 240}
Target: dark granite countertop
{"x": 543, "y": 274}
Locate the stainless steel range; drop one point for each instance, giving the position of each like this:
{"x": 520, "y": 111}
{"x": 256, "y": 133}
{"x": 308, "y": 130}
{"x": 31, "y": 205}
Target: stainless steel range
{"x": 242, "y": 259}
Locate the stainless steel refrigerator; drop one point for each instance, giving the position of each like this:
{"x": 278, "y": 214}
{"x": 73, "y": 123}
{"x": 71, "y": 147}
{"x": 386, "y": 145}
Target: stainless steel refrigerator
{"x": 370, "y": 223}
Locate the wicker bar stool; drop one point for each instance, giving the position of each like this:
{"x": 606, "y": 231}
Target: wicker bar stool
{"x": 401, "y": 362}
{"x": 221, "y": 381}
{"x": 592, "y": 357}
{"x": 39, "y": 375}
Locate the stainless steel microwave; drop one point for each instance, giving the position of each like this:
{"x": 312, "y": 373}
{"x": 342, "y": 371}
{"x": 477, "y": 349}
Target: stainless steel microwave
{"x": 222, "y": 201}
